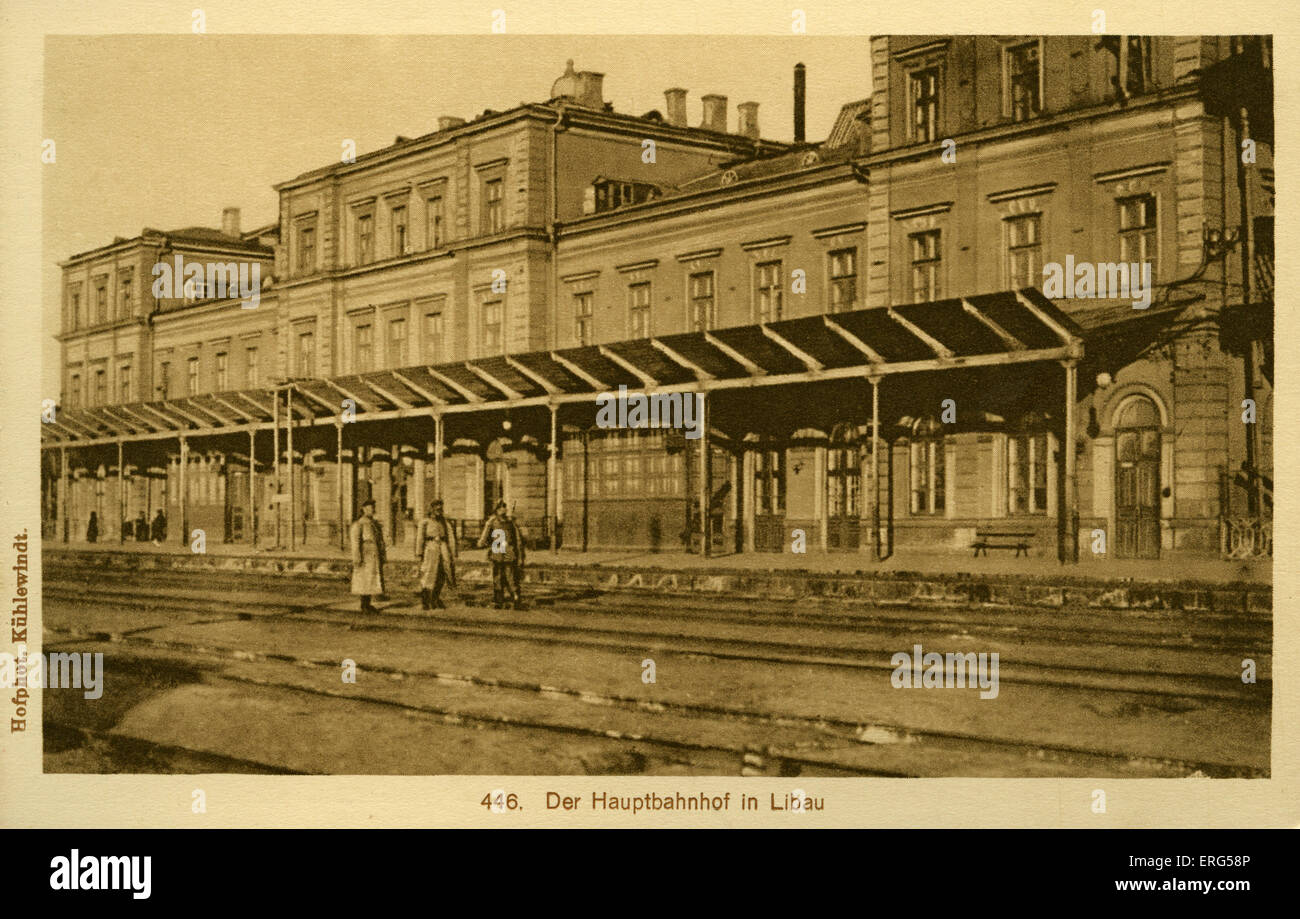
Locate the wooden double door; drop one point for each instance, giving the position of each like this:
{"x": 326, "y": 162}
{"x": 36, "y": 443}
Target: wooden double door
{"x": 1137, "y": 482}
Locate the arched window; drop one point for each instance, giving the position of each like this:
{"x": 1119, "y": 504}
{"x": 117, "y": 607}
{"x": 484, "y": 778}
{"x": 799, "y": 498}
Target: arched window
{"x": 1027, "y": 462}
{"x": 926, "y": 474}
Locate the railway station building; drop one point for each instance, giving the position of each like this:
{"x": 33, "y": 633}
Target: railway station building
{"x": 890, "y": 341}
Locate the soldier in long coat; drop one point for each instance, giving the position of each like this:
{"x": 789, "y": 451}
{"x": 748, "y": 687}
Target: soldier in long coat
{"x": 505, "y": 547}
{"x": 436, "y": 548}
{"x": 368, "y": 555}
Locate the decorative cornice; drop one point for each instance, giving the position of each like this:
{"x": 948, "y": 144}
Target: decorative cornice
{"x": 637, "y": 266}
{"x": 699, "y": 254}
{"x": 764, "y": 243}
{"x": 1023, "y": 192}
{"x": 579, "y": 276}
{"x": 920, "y": 50}
{"x": 840, "y": 230}
{"x": 941, "y": 207}
{"x": 1132, "y": 172}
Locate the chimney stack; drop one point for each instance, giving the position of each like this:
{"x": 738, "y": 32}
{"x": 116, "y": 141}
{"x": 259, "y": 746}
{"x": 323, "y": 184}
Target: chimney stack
{"x": 591, "y": 90}
{"x": 230, "y": 221}
{"x": 676, "y": 114}
{"x": 715, "y": 113}
{"x": 747, "y": 122}
{"x": 800, "y": 94}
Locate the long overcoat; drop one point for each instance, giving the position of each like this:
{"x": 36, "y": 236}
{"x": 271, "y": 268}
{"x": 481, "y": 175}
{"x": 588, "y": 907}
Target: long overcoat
{"x": 368, "y": 556}
{"x": 438, "y": 549}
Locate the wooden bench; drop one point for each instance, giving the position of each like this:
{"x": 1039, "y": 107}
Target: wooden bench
{"x": 1002, "y": 538}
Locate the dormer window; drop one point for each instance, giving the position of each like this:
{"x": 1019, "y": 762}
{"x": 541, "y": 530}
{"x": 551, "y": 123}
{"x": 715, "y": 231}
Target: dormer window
{"x": 611, "y": 193}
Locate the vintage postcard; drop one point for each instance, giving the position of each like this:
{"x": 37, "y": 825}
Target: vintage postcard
{"x": 517, "y": 423}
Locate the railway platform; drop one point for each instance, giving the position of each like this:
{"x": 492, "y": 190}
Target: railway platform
{"x": 1223, "y": 586}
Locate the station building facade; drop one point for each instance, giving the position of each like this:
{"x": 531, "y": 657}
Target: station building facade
{"x": 862, "y": 323}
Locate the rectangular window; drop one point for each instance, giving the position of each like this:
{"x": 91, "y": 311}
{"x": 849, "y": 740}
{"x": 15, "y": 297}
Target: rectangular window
{"x": 251, "y": 377}
{"x": 493, "y": 206}
{"x": 74, "y": 307}
{"x": 397, "y": 223}
{"x": 1134, "y": 63}
{"x": 1027, "y": 472}
{"x": 124, "y": 297}
{"x": 365, "y": 239}
{"x": 306, "y": 365}
{"x": 101, "y": 300}
{"x": 582, "y": 317}
{"x": 924, "y": 90}
{"x": 927, "y": 476}
{"x": 124, "y": 383}
{"x": 192, "y": 376}
{"x": 1137, "y": 230}
{"x": 101, "y": 387}
{"x": 493, "y": 314}
{"x": 703, "y": 316}
{"x": 767, "y": 291}
{"x": 926, "y": 262}
{"x": 397, "y": 343}
{"x": 433, "y": 333}
{"x": 307, "y": 249}
{"x": 363, "y": 347}
{"x": 1024, "y": 91}
{"x": 844, "y": 280}
{"x": 435, "y": 217}
{"x": 1024, "y": 251}
{"x": 222, "y": 378}
{"x": 638, "y": 308}
{"x": 164, "y": 380}
{"x": 74, "y": 391}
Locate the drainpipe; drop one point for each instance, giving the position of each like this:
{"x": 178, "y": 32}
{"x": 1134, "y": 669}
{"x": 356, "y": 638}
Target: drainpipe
{"x": 554, "y": 228}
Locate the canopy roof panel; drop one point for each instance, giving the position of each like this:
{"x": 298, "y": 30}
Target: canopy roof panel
{"x": 1002, "y": 328}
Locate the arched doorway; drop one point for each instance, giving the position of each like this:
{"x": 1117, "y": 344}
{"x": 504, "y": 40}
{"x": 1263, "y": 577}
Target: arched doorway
{"x": 1137, "y": 479}
{"x": 843, "y": 489}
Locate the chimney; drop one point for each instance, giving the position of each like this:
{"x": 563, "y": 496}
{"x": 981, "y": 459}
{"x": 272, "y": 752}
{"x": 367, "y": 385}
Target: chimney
{"x": 747, "y": 121}
{"x": 676, "y": 106}
{"x": 447, "y": 122}
{"x": 591, "y": 89}
{"x": 715, "y": 112}
{"x": 800, "y": 94}
{"x": 230, "y": 221}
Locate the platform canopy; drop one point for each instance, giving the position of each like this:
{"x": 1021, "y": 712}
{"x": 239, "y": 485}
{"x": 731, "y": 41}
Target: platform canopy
{"x": 986, "y": 330}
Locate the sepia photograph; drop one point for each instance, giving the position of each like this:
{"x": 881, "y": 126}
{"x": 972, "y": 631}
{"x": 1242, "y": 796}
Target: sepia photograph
{"x": 787, "y": 406}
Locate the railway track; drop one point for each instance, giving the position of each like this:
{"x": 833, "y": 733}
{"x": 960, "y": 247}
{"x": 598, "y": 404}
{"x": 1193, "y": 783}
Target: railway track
{"x": 855, "y": 743}
{"x": 824, "y": 644}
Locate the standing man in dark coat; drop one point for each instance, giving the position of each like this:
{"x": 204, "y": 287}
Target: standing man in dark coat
{"x": 92, "y": 528}
{"x": 142, "y": 527}
{"x": 436, "y": 549}
{"x": 368, "y": 556}
{"x": 505, "y": 548}
{"x": 159, "y": 528}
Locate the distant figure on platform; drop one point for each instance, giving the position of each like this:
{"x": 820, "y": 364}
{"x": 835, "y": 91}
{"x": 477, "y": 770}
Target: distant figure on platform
{"x": 436, "y": 549}
{"x": 506, "y": 553}
{"x": 141, "y": 528}
{"x": 367, "y": 540}
{"x": 159, "y": 528}
{"x": 92, "y": 528}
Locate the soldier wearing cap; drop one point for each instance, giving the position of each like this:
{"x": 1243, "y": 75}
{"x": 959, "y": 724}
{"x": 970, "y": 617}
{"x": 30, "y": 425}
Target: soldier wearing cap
{"x": 367, "y": 540}
{"x": 435, "y": 547}
{"x": 506, "y": 553}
